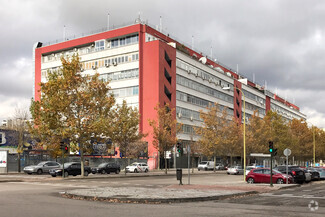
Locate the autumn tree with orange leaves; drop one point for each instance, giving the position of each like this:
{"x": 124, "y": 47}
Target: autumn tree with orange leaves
{"x": 164, "y": 129}
{"x": 72, "y": 106}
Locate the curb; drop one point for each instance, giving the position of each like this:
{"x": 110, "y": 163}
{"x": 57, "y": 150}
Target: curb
{"x": 154, "y": 200}
{"x": 11, "y": 180}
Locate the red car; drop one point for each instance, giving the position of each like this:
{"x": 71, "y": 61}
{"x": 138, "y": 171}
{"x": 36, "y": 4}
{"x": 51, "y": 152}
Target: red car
{"x": 263, "y": 175}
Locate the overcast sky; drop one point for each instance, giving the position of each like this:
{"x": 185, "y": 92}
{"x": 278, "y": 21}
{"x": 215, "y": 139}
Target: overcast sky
{"x": 280, "y": 43}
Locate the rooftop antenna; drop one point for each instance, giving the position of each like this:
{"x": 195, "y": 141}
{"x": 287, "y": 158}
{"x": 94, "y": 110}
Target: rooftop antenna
{"x": 285, "y": 99}
{"x": 211, "y": 52}
{"x": 237, "y": 69}
{"x": 253, "y": 77}
{"x": 265, "y": 85}
{"x": 276, "y": 91}
{"x": 293, "y": 100}
{"x": 138, "y": 20}
{"x": 192, "y": 42}
{"x": 160, "y": 24}
{"x": 64, "y": 33}
{"x": 108, "y": 21}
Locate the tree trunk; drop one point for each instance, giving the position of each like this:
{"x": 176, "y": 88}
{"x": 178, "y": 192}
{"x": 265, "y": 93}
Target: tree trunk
{"x": 192, "y": 164}
{"x": 165, "y": 165}
{"x": 19, "y": 169}
{"x": 215, "y": 163}
{"x": 231, "y": 160}
{"x": 82, "y": 161}
{"x": 158, "y": 160}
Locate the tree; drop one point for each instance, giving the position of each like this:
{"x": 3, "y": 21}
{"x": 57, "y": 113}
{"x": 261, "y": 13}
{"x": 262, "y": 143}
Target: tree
{"x": 302, "y": 139}
{"x": 257, "y": 135}
{"x": 124, "y": 128}
{"x": 165, "y": 129}
{"x": 211, "y": 131}
{"x": 232, "y": 134}
{"x": 19, "y": 123}
{"x": 73, "y": 106}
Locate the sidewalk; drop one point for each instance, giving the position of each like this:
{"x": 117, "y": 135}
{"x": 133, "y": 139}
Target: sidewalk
{"x": 212, "y": 187}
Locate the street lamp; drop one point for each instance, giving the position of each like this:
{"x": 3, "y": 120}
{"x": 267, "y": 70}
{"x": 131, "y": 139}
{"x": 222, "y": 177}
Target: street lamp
{"x": 244, "y": 132}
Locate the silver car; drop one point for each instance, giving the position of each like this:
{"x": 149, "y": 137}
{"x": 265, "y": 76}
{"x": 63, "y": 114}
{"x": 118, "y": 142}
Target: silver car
{"x": 42, "y": 167}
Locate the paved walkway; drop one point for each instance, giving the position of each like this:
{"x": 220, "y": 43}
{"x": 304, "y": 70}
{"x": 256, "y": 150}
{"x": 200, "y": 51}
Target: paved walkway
{"x": 198, "y": 190}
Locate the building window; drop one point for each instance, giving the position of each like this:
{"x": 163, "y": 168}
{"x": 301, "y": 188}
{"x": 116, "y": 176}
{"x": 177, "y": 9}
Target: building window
{"x": 168, "y": 60}
{"x": 168, "y": 94}
{"x": 168, "y": 77}
{"x": 100, "y": 45}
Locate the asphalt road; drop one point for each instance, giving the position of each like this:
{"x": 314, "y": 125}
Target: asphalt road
{"x": 41, "y": 198}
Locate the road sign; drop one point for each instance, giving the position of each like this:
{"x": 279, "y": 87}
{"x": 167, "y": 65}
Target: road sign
{"x": 287, "y": 152}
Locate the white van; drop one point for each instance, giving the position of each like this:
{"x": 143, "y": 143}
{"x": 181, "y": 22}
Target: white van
{"x": 206, "y": 165}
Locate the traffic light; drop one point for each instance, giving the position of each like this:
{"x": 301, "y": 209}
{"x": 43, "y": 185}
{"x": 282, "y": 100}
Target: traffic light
{"x": 62, "y": 145}
{"x": 179, "y": 148}
{"x": 271, "y": 147}
{"x": 66, "y": 149}
{"x": 275, "y": 151}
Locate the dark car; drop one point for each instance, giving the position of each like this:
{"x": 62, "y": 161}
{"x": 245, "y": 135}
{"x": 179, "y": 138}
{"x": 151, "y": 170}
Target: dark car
{"x": 296, "y": 172}
{"x": 314, "y": 173}
{"x": 263, "y": 175}
{"x": 71, "y": 168}
{"x": 106, "y": 168}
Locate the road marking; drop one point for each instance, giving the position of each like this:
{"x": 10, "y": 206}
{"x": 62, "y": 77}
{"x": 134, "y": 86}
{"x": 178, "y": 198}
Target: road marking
{"x": 292, "y": 196}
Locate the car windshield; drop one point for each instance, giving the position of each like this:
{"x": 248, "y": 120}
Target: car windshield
{"x": 41, "y": 164}
{"x": 66, "y": 165}
{"x": 102, "y": 165}
{"x": 276, "y": 171}
{"x": 203, "y": 162}
{"x": 134, "y": 164}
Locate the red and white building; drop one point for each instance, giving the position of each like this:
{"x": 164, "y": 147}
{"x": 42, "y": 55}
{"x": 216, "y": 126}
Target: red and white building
{"x": 146, "y": 66}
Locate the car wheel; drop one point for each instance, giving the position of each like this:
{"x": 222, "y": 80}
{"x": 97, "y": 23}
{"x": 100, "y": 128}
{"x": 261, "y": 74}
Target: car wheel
{"x": 39, "y": 171}
{"x": 250, "y": 180}
{"x": 135, "y": 170}
{"x": 205, "y": 169}
{"x": 66, "y": 174}
{"x": 117, "y": 171}
{"x": 86, "y": 173}
{"x": 103, "y": 171}
{"x": 146, "y": 171}
{"x": 279, "y": 181}
{"x": 29, "y": 173}
{"x": 53, "y": 175}
{"x": 228, "y": 173}
{"x": 198, "y": 169}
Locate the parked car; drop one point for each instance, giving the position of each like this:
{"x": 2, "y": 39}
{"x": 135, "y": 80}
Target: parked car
{"x": 71, "y": 168}
{"x": 263, "y": 175}
{"x": 249, "y": 168}
{"x": 137, "y": 167}
{"x": 220, "y": 167}
{"x": 206, "y": 165}
{"x": 42, "y": 167}
{"x": 236, "y": 170}
{"x": 314, "y": 173}
{"x": 321, "y": 172}
{"x": 106, "y": 168}
{"x": 296, "y": 172}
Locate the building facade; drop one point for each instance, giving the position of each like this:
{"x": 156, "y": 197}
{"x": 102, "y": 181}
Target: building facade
{"x": 147, "y": 67}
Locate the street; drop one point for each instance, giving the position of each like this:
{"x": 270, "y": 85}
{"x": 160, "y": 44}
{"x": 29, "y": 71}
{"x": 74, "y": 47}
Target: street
{"x": 40, "y": 197}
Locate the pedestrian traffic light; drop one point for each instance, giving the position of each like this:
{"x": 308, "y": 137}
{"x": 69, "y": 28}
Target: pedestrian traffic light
{"x": 271, "y": 147}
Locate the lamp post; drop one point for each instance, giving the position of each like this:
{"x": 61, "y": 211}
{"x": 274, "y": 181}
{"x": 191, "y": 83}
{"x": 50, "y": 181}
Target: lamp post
{"x": 244, "y": 129}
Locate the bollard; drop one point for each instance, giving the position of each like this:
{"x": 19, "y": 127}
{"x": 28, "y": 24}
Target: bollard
{"x": 179, "y": 175}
